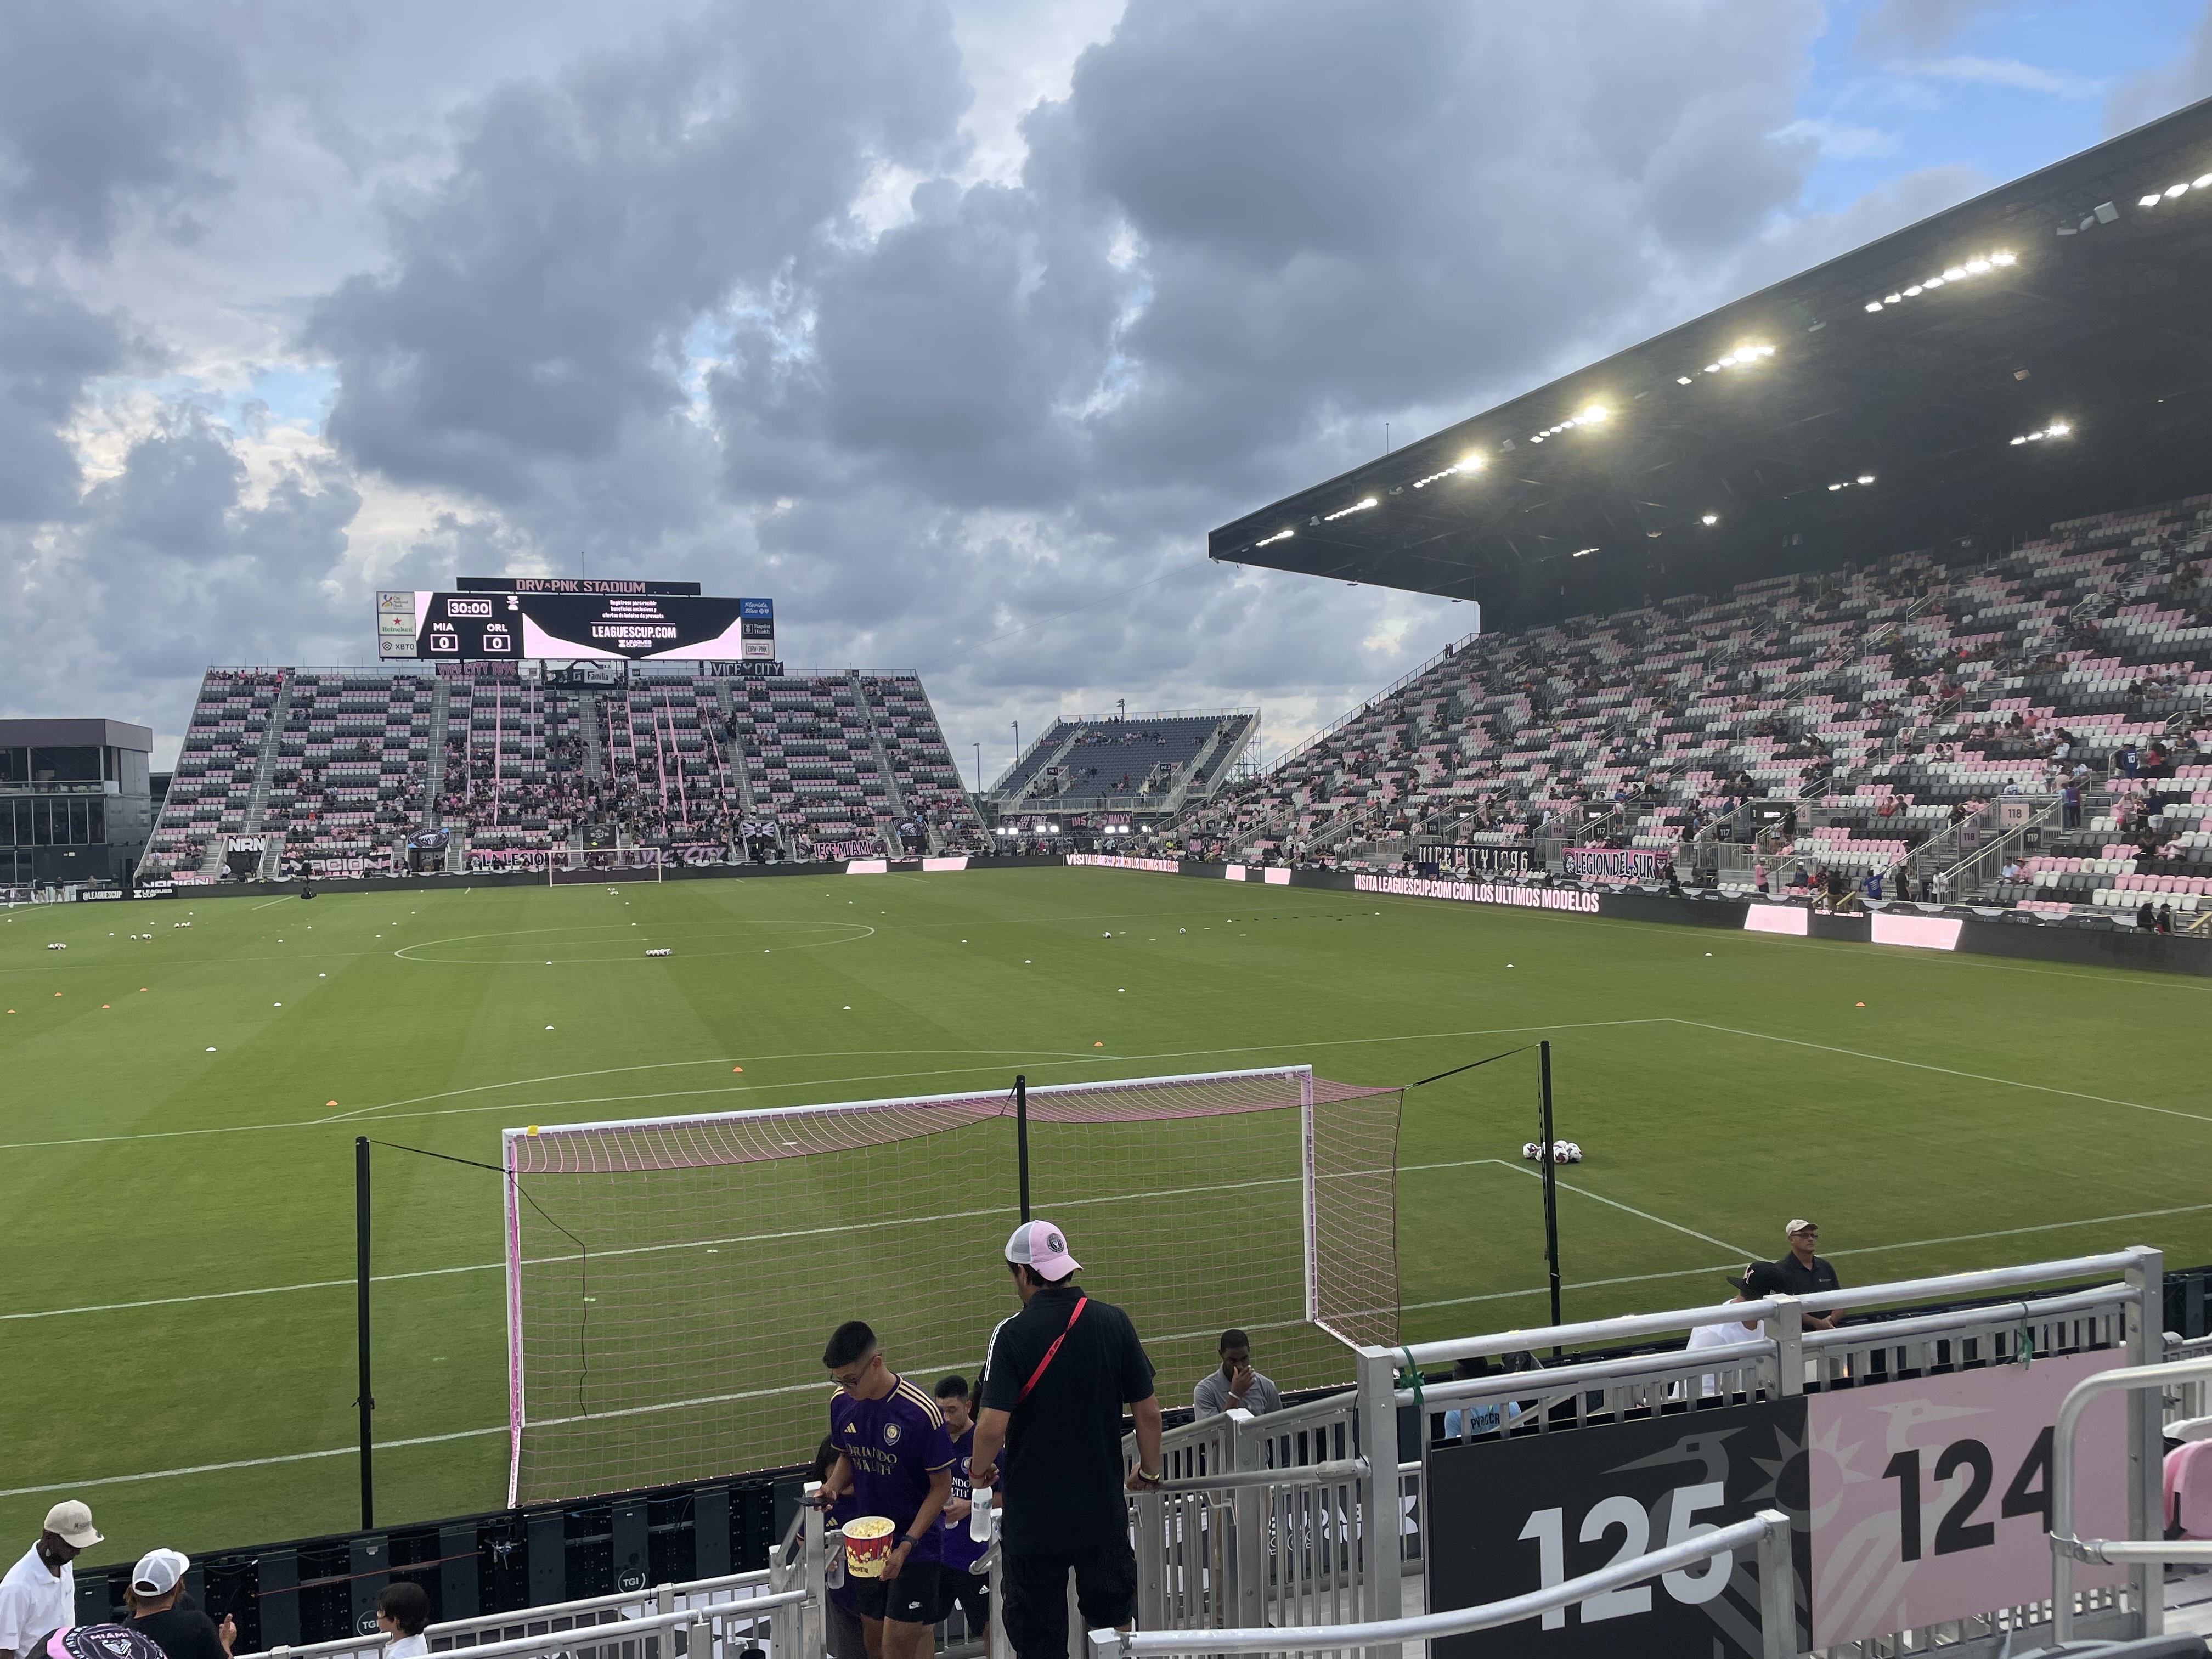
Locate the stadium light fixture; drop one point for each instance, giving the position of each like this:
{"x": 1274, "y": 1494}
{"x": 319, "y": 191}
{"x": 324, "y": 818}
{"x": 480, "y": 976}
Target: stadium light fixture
{"x": 2172, "y": 190}
{"x": 1469, "y": 462}
{"x": 1681, "y": 379}
{"x": 1873, "y": 305}
{"x": 1347, "y": 512}
{"x": 1711, "y": 518}
{"x": 1584, "y": 552}
{"x": 2203, "y": 183}
{"x": 1913, "y": 291}
{"x": 1712, "y": 368}
{"x": 1865, "y": 477}
{"x": 2151, "y": 200}
{"x": 1282, "y": 535}
{"x": 1594, "y": 412}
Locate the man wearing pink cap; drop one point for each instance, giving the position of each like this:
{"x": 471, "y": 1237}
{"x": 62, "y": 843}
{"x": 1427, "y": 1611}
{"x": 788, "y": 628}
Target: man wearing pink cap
{"x": 1061, "y": 1371}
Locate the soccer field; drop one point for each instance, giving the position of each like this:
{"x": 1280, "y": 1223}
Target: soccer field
{"x": 179, "y": 1115}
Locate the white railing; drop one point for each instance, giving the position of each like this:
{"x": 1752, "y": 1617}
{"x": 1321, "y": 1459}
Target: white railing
{"x": 2142, "y": 1553}
{"x": 1768, "y": 1532}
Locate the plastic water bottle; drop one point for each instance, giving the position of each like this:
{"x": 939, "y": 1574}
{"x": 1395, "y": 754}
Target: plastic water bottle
{"x": 979, "y": 1514}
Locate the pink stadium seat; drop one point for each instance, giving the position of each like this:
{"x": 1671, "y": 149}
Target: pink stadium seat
{"x": 2187, "y": 1484}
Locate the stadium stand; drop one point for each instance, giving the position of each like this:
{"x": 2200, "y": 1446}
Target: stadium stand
{"x": 1149, "y": 763}
{"x": 326, "y": 772}
{"x": 1904, "y": 714}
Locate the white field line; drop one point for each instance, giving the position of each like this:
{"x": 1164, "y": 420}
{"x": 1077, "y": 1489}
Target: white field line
{"x": 523, "y": 1106}
{"x": 247, "y": 1463}
{"x": 1703, "y": 1238}
{"x": 716, "y": 1243}
{"x": 1948, "y": 1070}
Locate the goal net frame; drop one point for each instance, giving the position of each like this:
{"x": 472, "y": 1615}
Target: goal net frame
{"x": 592, "y": 866}
{"x": 673, "y": 1171}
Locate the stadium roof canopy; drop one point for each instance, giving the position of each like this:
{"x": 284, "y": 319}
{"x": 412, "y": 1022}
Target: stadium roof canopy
{"x": 2042, "y": 351}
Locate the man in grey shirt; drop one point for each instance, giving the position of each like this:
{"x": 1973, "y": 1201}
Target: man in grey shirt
{"x": 1235, "y": 1383}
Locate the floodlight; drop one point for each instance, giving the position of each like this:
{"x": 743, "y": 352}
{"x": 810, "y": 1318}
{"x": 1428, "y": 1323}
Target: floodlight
{"x": 1933, "y": 282}
{"x": 2019, "y": 441}
{"x": 1584, "y": 552}
{"x": 1594, "y": 412}
{"x": 2001, "y": 258}
{"x": 1835, "y": 486}
{"x": 1977, "y": 264}
{"x": 1890, "y": 299}
{"x": 1865, "y": 477}
{"x": 2151, "y": 200}
{"x": 1873, "y": 305}
{"x": 2058, "y": 428}
{"x": 1681, "y": 379}
{"x": 1538, "y": 438}
{"x": 1912, "y": 291}
{"x": 1711, "y": 518}
{"x": 1470, "y": 462}
{"x": 2177, "y": 190}
{"x": 1712, "y": 368}
{"x": 2201, "y": 184}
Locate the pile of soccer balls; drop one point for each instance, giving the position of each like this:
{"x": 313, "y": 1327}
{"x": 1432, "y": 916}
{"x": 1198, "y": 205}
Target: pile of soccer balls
{"x": 1563, "y": 1151}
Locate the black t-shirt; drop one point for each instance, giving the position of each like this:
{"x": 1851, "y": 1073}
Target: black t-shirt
{"x": 1800, "y": 1281}
{"x": 1062, "y": 1465}
{"x": 181, "y": 1633}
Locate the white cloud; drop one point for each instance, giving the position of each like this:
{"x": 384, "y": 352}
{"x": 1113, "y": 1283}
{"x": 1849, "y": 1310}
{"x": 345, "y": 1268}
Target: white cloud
{"x": 2001, "y": 72}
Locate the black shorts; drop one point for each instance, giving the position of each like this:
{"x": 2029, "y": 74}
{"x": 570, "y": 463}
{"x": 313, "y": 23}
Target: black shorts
{"x": 1036, "y": 1613}
{"x": 970, "y": 1592}
{"x": 909, "y": 1599}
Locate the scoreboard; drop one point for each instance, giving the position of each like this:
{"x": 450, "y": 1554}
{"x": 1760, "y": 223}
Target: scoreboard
{"x": 538, "y": 619}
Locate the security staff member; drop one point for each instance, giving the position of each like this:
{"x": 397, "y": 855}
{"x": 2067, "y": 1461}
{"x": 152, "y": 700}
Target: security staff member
{"x": 1060, "y": 1372}
{"x": 1800, "y": 1273}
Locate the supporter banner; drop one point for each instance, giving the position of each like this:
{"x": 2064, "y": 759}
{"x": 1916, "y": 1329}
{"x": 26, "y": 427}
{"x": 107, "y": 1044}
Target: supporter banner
{"x": 1618, "y": 863}
{"x": 1931, "y": 1499}
{"x": 1489, "y": 860}
{"x": 1509, "y": 1517}
{"x": 1114, "y": 861}
{"x": 1478, "y": 892}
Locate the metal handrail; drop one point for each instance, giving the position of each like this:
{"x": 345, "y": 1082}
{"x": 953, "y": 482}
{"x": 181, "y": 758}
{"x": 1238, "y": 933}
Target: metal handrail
{"x": 548, "y": 1641}
{"x": 1292, "y": 1475}
{"x": 2065, "y": 1547}
{"x": 1613, "y": 1331}
{"x": 1769, "y": 1531}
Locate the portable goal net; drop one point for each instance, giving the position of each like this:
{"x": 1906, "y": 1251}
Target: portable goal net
{"x": 671, "y": 1282}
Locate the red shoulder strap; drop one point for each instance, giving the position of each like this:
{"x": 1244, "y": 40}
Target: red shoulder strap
{"x": 1081, "y": 1302}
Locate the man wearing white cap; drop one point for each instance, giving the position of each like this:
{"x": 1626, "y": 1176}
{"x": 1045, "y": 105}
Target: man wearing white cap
{"x": 1061, "y": 1371}
{"x": 157, "y": 1586}
{"x": 39, "y": 1594}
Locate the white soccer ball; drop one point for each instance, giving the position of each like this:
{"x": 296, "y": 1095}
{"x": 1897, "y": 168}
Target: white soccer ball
{"x": 1528, "y": 1150}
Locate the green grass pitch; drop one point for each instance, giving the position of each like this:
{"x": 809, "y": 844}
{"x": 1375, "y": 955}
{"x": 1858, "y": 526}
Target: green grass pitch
{"x": 177, "y": 1291}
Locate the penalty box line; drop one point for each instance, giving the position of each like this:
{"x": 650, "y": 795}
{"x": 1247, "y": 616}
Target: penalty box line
{"x": 718, "y": 1243}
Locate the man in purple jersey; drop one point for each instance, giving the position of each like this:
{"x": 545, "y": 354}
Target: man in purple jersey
{"x": 962, "y": 1586}
{"x": 895, "y": 1459}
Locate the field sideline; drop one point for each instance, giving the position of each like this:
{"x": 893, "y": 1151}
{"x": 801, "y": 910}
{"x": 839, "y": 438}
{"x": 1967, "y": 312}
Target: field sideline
{"x": 177, "y": 1177}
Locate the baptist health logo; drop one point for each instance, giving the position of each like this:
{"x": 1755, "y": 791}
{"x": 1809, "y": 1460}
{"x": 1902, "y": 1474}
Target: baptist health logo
{"x": 1478, "y": 892}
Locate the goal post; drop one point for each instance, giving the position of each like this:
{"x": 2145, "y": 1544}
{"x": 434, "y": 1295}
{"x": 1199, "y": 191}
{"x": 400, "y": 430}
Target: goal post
{"x": 590, "y": 866}
{"x": 670, "y": 1282}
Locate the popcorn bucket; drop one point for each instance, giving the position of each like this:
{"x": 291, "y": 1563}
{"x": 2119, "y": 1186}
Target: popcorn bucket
{"x": 868, "y": 1545}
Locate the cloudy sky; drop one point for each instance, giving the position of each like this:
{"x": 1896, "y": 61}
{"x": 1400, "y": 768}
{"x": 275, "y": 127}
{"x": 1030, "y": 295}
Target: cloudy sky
{"x": 953, "y": 326}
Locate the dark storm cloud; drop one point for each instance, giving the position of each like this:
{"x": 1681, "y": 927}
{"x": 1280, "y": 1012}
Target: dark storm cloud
{"x": 50, "y": 347}
{"x": 106, "y": 106}
{"x": 540, "y": 294}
